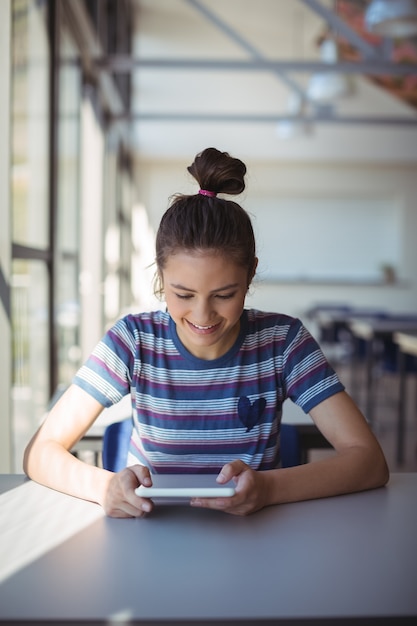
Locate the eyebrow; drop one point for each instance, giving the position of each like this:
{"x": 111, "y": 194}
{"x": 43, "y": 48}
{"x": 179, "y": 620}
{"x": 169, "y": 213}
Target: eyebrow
{"x": 231, "y": 286}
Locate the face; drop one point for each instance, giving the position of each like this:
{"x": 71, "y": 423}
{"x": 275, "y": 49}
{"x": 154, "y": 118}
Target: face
{"x": 205, "y": 295}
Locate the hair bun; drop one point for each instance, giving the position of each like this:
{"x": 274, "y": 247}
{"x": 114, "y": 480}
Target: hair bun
{"x": 218, "y": 172}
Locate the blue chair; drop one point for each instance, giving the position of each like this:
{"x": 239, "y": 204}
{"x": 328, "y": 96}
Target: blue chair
{"x": 290, "y": 446}
{"x": 117, "y": 436}
{"x": 116, "y": 445}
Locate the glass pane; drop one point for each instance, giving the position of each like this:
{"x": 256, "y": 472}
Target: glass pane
{"x": 29, "y": 123}
{"x": 118, "y": 239}
{"x": 67, "y": 320}
{"x": 111, "y": 260}
{"x": 67, "y": 309}
{"x": 30, "y": 350}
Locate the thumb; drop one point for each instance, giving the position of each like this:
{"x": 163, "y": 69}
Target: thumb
{"x": 142, "y": 474}
{"x": 231, "y": 470}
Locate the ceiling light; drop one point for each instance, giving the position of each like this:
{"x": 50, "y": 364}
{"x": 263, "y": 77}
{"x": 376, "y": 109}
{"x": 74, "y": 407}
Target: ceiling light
{"x": 295, "y": 125}
{"x": 392, "y": 18}
{"x": 291, "y": 128}
{"x": 327, "y": 86}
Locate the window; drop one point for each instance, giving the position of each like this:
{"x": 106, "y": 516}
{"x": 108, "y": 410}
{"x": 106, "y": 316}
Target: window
{"x": 30, "y": 219}
{"x": 67, "y": 300}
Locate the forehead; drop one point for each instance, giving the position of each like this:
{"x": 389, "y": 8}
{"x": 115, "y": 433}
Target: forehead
{"x": 210, "y": 266}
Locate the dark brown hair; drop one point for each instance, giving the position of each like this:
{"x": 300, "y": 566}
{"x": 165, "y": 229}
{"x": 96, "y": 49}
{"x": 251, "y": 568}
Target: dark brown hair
{"x": 199, "y": 222}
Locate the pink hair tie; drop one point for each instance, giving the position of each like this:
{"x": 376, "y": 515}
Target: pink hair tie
{"x": 204, "y": 192}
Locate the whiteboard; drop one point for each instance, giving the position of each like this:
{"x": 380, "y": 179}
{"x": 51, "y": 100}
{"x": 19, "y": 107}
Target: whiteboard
{"x": 326, "y": 238}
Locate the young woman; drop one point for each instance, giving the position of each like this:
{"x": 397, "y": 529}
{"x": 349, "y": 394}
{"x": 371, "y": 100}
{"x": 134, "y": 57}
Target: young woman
{"x": 207, "y": 377}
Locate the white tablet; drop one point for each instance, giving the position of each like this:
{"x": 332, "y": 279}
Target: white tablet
{"x": 186, "y": 486}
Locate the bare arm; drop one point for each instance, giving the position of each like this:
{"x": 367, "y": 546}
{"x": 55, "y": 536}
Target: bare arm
{"x": 358, "y": 463}
{"x": 48, "y": 460}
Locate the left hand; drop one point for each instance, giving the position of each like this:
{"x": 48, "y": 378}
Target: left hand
{"x": 250, "y": 493}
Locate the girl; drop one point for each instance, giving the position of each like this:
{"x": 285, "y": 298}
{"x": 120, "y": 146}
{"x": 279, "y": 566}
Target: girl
{"x": 207, "y": 377}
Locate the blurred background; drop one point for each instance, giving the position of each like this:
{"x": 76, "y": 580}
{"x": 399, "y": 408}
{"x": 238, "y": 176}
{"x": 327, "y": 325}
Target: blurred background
{"x": 106, "y": 102}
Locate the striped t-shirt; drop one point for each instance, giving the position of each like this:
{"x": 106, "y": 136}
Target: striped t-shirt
{"x": 193, "y": 415}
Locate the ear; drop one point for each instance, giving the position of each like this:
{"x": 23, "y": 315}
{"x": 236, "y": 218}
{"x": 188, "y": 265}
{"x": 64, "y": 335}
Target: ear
{"x": 252, "y": 274}
{"x": 158, "y": 285}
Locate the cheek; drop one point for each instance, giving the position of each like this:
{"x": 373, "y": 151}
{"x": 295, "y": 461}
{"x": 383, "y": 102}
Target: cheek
{"x": 175, "y": 306}
{"x": 234, "y": 311}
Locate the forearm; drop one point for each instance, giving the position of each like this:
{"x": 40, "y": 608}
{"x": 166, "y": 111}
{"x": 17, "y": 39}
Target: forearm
{"x": 50, "y": 464}
{"x": 345, "y": 472}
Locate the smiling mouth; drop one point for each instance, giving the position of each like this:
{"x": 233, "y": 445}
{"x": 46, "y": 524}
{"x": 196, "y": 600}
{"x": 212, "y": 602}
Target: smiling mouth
{"x": 203, "y": 329}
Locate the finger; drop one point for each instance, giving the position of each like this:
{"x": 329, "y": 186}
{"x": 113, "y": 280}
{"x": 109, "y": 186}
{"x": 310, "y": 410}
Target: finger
{"x": 230, "y": 470}
{"x": 125, "y": 509}
{"x": 142, "y": 474}
{"x": 125, "y": 502}
{"x": 211, "y": 503}
{"x": 233, "y": 505}
{"x": 136, "y": 505}
{"x": 132, "y": 506}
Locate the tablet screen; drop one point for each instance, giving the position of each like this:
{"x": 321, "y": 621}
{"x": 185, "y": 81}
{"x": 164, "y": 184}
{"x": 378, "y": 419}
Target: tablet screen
{"x": 186, "y": 486}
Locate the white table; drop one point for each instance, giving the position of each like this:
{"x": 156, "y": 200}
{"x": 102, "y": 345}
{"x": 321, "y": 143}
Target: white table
{"x": 336, "y": 559}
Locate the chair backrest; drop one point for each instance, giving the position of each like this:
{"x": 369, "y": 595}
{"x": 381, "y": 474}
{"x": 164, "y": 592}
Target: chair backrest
{"x": 117, "y": 437}
{"x": 116, "y": 445}
{"x": 290, "y": 446}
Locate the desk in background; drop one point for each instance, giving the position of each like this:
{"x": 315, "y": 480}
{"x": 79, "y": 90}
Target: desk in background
{"x": 371, "y": 331}
{"x": 93, "y": 439}
{"x": 407, "y": 344}
{"x": 340, "y": 559}
{"x": 333, "y": 330}
{"x": 309, "y": 436}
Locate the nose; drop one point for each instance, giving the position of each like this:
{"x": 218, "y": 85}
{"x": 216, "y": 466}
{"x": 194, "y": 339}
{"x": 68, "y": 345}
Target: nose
{"x": 202, "y": 312}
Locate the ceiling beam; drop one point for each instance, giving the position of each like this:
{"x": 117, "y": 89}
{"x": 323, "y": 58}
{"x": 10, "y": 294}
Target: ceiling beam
{"x": 239, "y": 40}
{"x": 339, "y": 27}
{"x": 266, "y": 118}
{"x": 127, "y": 63}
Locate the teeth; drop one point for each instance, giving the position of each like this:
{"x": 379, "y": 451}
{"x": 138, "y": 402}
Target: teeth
{"x": 203, "y": 327}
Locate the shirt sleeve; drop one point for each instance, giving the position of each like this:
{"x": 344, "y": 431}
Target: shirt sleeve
{"x": 106, "y": 375}
{"x": 308, "y": 377}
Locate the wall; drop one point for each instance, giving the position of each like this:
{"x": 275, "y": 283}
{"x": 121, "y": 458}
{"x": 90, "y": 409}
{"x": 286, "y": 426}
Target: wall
{"x": 396, "y": 183}
{"x": 5, "y": 252}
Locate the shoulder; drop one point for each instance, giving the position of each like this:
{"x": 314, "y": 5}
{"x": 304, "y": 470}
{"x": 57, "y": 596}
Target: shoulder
{"x": 277, "y": 323}
{"x": 139, "y": 328}
{"x": 154, "y": 322}
{"x": 278, "y": 331}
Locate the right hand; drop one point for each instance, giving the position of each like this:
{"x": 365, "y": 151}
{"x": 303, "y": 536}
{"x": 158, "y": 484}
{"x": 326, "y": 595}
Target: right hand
{"x": 120, "y": 497}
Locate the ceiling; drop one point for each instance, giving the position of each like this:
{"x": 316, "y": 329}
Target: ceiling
{"x": 223, "y": 74}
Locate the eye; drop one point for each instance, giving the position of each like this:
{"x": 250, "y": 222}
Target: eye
{"x": 184, "y": 296}
{"x": 226, "y": 296}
